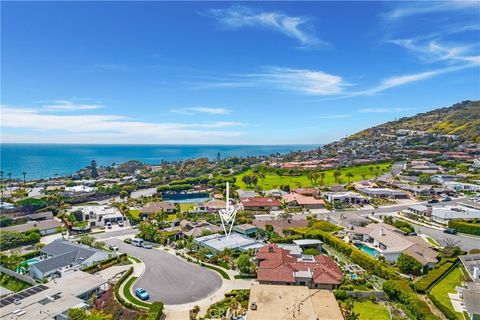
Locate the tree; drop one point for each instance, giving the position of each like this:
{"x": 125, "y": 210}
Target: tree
{"x": 311, "y": 252}
{"x": 244, "y": 263}
{"x": 80, "y": 314}
{"x": 363, "y": 175}
{"x": 451, "y": 248}
{"x": 93, "y": 169}
{"x": 24, "y": 179}
{"x": 123, "y": 194}
{"x": 408, "y": 265}
{"x": 424, "y": 179}
{"x": 349, "y": 175}
{"x": 87, "y": 240}
{"x": 322, "y": 178}
{"x": 284, "y": 215}
{"x": 371, "y": 170}
{"x": 336, "y": 175}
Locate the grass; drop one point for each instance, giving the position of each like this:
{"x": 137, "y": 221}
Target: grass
{"x": 135, "y": 214}
{"x": 367, "y": 310}
{"x": 432, "y": 241}
{"x": 222, "y": 273}
{"x": 272, "y": 180}
{"x": 135, "y": 259}
{"x": 130, "y": 297}
{"x": 184, "y": 207}
{"x": 447, "y": 285}
{"x": 171, "y": 217}
{"x": 12, "y": 284}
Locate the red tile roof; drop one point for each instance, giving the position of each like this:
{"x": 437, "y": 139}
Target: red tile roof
{"x": 260, "y": 202}
{"x": 278, "y": 265}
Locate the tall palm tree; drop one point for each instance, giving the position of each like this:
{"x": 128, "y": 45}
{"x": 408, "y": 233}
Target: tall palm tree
{"x": 24, "y": 180}
{"x": 10, "y": 181}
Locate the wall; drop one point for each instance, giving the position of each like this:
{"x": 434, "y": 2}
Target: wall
{"x": 19, "y": 276}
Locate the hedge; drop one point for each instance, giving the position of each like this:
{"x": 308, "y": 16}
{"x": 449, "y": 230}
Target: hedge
{"x": 120, "y": 298}
{"x": 12, "y": 239}
{"x": 104, "y": 264}
{"x": 222, "y": 273}
{"x": 156, "y": 311}
{"x": 444, "y": 309}
{"x": 465, "y": 227}
{"x": 400, "y": 291}
{"x": 356, "y": 255}
{"x": 426, "y": 282}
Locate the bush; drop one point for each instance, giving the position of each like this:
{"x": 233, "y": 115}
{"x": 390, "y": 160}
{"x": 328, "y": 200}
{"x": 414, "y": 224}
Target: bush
{"x": 445, "y": 310}
{"x": 104, "y": 264}
{"x": 426, "y": 282}
{"x": 11, "y": 239}
{"x": 409, "y": 265}
{"x": 465, "y": 227}
{"x": 156, "y": 311}
{"x": 340, "y": 294}
{"x": 400, "y": 291}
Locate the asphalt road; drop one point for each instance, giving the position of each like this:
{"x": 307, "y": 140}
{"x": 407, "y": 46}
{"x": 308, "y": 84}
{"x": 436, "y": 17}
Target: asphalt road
{"x": 170, "y": 279}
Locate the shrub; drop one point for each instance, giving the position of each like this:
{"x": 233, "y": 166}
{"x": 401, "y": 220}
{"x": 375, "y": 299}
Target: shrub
{"x": 409, "y": 265}
{"x": 445, "y": 310}
{"x": 156, "y": 311}
{"x": 465, "y": 227}
{"x": 11, "y": 239}
{"x": 426, "y": 282}
{"x": 104, "y": 264}
{"x": 400, "y": 291}
{"x": 340, "y": 294}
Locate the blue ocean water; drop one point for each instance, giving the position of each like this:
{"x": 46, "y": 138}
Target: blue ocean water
{"x": 46, "y": 160}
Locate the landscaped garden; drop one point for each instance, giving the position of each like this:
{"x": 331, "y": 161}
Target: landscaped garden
{"x": 439, "y": 292}
{"x": 368, "y": 310}
{"x": 272, "y": 179}
{"x": 12, "y": 284}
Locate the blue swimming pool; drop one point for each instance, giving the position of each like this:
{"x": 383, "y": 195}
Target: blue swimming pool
{"x": 370, "y": 251}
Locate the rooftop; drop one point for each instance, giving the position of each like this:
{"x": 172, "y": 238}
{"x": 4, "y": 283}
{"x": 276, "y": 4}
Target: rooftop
{"x": 235, "y": 241}
{"x": 42, "y": 225}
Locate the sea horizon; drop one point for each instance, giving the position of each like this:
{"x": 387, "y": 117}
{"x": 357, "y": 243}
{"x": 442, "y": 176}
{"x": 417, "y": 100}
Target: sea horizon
{"x": 46, "y": 160}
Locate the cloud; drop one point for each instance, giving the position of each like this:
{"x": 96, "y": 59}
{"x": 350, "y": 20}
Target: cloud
{"x": 65, "y": 105}
{"x": 196, "y": 110}
{"x": 118, "y": 129}
{"x": 426, "y": 7}
{"x": 383, "y": 110}
{"x": 238, "y": 16}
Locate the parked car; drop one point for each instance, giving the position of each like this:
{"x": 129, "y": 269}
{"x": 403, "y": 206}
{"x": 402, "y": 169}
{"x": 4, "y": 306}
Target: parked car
{"x": 446, "y": 199}
{"x": 120, "y": 223}
{"x": 450, "y": 231}
{"x": 147, "y": 245}
{"x": 433, "y": 201}
{"x": 113, "y": 247}
{"x": 137, "y": 242}
{"x": 142, "y": 294}
{"x": 109, "y": 225}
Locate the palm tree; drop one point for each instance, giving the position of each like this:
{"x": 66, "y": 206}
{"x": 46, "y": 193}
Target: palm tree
{"x": 24, "y": 180}
{"x": 336, "y": 175}
{"x": 378, "y": 170}
{"x": 349, "y": 175}
{"x": 10, "y": 181}
{"x": 322, "y": 177}
{"x": 371, "y": 169}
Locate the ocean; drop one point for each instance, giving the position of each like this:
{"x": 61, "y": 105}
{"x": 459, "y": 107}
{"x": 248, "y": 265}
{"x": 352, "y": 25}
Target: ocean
{"x": 46, "y": 160}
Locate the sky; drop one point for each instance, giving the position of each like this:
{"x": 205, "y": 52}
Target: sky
{"x": 229, "y": 72}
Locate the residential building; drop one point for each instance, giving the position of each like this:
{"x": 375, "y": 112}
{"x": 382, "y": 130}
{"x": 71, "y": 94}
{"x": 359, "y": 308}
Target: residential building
{"x": 98, "y": 215}
{"x": 46, "y": 227}
{"x": 277, "y": 265}
{"x": 446, "y": 213}
{"x": 280, "y": 225}
{"x": 384, "y": 193}
{"x": 471, "y": 263}
{"x": 79, "y": 190}
{"x": 260, "y": 203}
{"x": 61, "y": 256}
{"x": 211, "y": 205}
{"x": 383, "y": 239}
{"x": 246, "y": 229}
{"x": 417, "y": 190}
{"x": 306, "y": 202}
{"x": 346, "y": 197}
{"x": 291, "y": 303}
{"x": 54, "y": 299}
{"x": 242, "y": 194}
{"x": 156, "y": 207}
{"x": 236, "y": 242}
{"x": 461, "y": 186}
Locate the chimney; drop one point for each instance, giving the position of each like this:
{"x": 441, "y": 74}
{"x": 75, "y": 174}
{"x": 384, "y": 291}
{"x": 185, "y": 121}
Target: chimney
{"x": 270, "y": 249}
{"x": 428, "y": 213}
{"x": 382, "y": 233}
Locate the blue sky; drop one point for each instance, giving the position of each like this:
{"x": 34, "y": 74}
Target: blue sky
{"x": 229, "y": 73}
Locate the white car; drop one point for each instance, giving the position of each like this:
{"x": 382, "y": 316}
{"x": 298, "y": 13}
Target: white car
{"x": 113, "y": 247}
{"x": 147, "y": 246}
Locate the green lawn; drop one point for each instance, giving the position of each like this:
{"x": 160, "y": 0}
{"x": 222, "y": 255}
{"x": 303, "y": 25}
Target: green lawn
{"x": 171, "y": 217}
{"x": 135, "y": 213}
{"x": 273, "y": 180}
{"x": 12, "y": 284}
{"x": 432, "y": 241}
{"x": 130, "y": 297}
{"x": 447, "y": 285}
{"x": 184, "y": 207}
{"x": 368, "y": 310}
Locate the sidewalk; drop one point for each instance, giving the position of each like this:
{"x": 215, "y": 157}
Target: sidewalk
{"x": 138, "y": 270}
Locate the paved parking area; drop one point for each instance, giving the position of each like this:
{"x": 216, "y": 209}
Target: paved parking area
{"x": 170, "y": 279}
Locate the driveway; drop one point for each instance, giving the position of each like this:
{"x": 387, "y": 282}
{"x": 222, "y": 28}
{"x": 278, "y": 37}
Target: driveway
{"x": 170, "y": 279}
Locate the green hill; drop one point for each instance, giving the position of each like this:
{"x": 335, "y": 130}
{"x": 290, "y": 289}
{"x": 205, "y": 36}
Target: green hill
{"x": 461, "y": 119}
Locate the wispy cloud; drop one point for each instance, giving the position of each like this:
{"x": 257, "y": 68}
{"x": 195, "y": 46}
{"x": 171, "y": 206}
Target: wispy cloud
{"x": 383, "y": 110}
{"x": 196, "y": 110}
{"x": 238, "y": 16}
{"x": 65, "y": 105}
{"x": 119, "y": 129}
{"x": 407, "y": 9}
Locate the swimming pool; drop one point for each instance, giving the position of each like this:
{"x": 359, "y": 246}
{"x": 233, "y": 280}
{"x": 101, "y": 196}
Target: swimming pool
{"x": 370, "y": 251}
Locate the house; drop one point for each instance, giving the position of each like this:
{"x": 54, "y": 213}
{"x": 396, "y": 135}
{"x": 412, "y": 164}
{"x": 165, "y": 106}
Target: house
{"x": 307, "y": 192}
{"x": 236, "y": 242}
{"x": 98, "y": 215}
{"x": 46, "y": 227}
{"x": 54, "y": 299}
{"x": 156, "y": 207}
{"x": 364, "y": 184}
{"x": 246, "y": 229}
{"x": 275, "y": 193}
{"x": 299, "y": 200}
{"x": 470, "y": 293}
{"x": 291, "y": 303}
{"x": 47, "y": 215}
{"x": 471, "y": 263}
{"x": 193, "y": 229}
{"x": 441, "y": 178}
{"x": 460, "y": 186}
{"x": 211, "y": 205}
{"x": 444, "y": 214}
{"x": 61, "y": 256}
{"x": 383, "y": 239}
{"x": 417, "y": 190}
{"x": 345, "y": 197}
{"x": 280, "y": 225}
{"x": 384, "y": 193}
{"x": 79, "y": 190}
{"x": 260, "y": 203}
{"x": 242, "y": 194}
{"x": 278, "y": 266}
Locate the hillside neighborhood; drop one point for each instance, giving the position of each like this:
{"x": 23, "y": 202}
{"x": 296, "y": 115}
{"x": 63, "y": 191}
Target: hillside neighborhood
{"x": 384, "y": 224}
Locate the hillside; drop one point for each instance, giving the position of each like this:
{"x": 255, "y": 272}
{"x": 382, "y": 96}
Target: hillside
{"x": 461, "y": 119}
